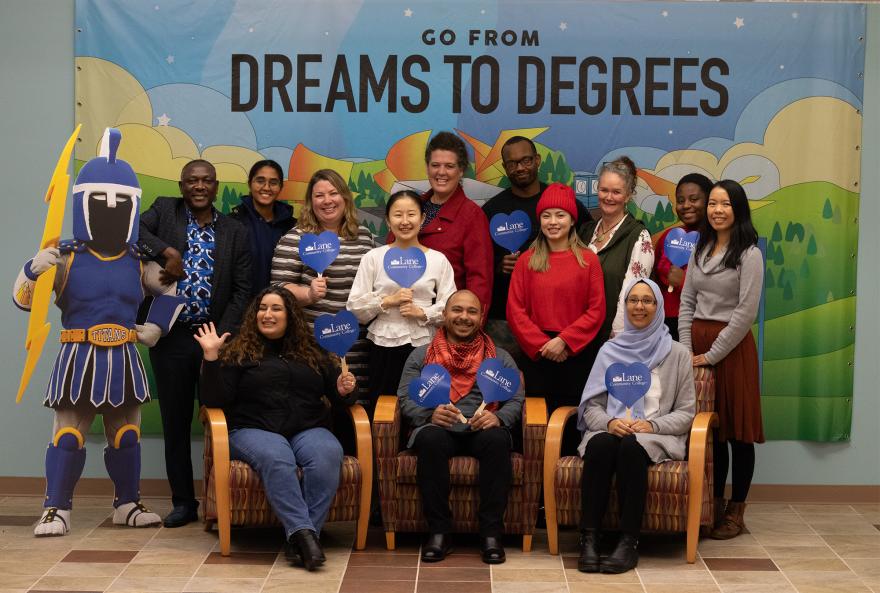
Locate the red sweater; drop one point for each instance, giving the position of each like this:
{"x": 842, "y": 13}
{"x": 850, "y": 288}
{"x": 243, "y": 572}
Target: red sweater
{"x": 671, "y": 300}
{"x": 567, "y": 299}
{"x": 460, "y": 231}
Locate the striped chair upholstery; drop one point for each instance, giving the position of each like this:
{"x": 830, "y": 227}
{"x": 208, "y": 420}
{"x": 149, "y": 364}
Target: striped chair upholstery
{"x": 679, "y": 492}
{"x": 234, "y": 495}
{"x": 399, "y": 495}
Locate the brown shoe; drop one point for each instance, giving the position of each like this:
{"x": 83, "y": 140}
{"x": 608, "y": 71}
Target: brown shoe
{"x": 732, "y": 524}
{"x": 717, "y": 517}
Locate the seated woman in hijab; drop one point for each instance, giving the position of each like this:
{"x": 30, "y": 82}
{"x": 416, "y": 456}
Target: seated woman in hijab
{"x": 624, "y": 436}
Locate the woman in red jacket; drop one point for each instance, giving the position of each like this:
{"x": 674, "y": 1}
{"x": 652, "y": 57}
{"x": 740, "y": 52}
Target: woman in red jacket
{"x": 691, "y": 194}
{"x": 556, "y": 303}
{"x": 454, "y": 224}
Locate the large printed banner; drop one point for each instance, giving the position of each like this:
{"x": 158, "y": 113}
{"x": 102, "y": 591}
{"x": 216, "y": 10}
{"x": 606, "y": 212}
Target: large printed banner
{"x": 767, "y": 94}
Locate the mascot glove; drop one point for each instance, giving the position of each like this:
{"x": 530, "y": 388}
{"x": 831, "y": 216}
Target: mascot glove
{"x": 45, "y": 259}
{"x": 148, "y": 334}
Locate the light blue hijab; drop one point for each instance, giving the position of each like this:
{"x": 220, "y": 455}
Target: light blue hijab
{"x": 649, "y": 346}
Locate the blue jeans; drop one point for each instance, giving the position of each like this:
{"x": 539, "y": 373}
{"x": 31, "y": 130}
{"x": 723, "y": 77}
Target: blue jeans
{"x": 298, "y": 505}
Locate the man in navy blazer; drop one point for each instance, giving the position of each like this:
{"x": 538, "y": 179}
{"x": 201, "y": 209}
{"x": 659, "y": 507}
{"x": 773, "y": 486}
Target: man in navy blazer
{"x": 207, "y": 254}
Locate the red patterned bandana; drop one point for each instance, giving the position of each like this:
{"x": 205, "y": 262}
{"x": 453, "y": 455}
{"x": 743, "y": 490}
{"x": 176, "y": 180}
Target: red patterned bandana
{"x": 462, "y": 360}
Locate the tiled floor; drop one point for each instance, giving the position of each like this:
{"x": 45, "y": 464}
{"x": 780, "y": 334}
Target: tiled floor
{"x": 789, "y": 548}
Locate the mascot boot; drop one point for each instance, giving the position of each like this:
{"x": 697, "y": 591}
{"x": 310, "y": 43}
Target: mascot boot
{"x": 123, "y": 462}
{"x": 65, "y": 458}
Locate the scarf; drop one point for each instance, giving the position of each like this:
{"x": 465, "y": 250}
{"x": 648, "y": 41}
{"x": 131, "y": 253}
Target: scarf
{"x": 462, "y": 360}
{"x": 650, "y": 346}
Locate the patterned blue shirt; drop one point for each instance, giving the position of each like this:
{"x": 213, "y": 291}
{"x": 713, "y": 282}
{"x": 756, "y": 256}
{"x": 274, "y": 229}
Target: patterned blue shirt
{"x": 198, "y": 269}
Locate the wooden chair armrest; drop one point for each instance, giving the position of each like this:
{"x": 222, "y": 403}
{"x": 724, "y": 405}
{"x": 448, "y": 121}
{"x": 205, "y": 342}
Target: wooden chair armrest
{"x": 553, "y": 443}
{"x": 363, "y": 437}
{"x": 535, "y": 411}
{"x": 214, "y": 422}
{"x": 701, "y": 431}
{"x": 552, "y": 449}
{"x": 217, "y": 434}
{"x": 364, "y": 441}
{"x": 386, "y": 408}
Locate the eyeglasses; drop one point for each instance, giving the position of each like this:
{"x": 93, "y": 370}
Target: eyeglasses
{"x": 526, "y": 161}
{"x": 263, "y": 181}
{"x": 646, "y": 302}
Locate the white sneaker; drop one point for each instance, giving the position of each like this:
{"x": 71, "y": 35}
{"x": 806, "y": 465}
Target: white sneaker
{"x": 134, "y": 514}
{"x": 54, "y": 522}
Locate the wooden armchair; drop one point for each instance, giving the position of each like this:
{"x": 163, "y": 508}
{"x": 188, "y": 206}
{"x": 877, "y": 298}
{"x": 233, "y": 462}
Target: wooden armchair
{"x": 679, "y": 492}
{"x": 235, "y": 496}
{"x": 399, "y": 494}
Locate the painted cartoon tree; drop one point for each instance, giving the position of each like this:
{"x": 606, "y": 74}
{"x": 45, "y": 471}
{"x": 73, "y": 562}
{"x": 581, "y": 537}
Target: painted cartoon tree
{"x": 777, "y": 232}
{"x": 545, "y": 172}
{"x": 827, "y": 212}
{"x": 768, "y": 279}
{"x": 811, "y": 246}
{"x": 778, "y": 256}
{"x": 562, "y": 172}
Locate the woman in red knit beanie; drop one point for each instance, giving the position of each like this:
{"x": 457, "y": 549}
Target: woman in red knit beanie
{"x": 556, "y": 304}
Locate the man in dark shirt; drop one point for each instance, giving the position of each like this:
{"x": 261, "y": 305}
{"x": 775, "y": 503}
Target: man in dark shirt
{"x": 207, "y": 255}
{"x": 521, "y": 163}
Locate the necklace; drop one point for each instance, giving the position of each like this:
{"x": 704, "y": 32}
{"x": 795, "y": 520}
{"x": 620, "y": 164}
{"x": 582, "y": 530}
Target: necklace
{"x": 602, "y": 231}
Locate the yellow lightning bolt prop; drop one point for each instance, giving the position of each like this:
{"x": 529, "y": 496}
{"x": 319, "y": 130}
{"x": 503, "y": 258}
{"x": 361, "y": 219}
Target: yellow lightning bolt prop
{"x": 38, "y": 327}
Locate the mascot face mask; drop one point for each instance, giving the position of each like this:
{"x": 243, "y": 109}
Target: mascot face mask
{"x": 106, "y": 199}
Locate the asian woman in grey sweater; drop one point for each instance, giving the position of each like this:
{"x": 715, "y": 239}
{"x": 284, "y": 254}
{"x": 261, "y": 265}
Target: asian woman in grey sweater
{"x": 719, "y": 304}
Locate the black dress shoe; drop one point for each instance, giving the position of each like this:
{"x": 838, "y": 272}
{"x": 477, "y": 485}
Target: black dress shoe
{"x": 310, "y": 552}
{"x": 624, "y": 557}
{"x": 589, "y": 547}
{"x": 438, "y": 546}
{"x": 291, "y": 553}
{"x": 180, "y": 516}
{"x": 491, "y": 550}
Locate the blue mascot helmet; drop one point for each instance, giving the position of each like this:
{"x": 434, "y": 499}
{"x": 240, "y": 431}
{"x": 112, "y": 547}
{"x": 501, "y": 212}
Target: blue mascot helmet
{"x": 111, "y": 179}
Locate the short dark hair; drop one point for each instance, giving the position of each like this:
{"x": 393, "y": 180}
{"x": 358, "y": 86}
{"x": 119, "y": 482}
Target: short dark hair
{"x": 516, "y": 140}
{"x": 698, "y": 179}
{"x": 452, "y": 143}
{"x": 197, "y": 162}
{"x": 266, "y": 163}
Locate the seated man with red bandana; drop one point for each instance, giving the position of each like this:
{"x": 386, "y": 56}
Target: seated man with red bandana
{"x": 438, "y": 434}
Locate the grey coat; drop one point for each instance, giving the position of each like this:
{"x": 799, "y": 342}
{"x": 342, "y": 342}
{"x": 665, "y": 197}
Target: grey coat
{"x": 509, "y": 413}
{"x": 676, "y": 414}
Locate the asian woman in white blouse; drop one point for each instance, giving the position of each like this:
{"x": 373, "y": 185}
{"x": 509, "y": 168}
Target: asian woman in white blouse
{"x": 400, "y": 319}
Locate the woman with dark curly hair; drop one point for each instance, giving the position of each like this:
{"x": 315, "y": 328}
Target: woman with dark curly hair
{"x": 274, "y": 381}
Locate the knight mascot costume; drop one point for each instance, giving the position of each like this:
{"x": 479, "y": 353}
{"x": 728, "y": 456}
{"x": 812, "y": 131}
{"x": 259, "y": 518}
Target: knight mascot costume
{"x": 100, "y": 282}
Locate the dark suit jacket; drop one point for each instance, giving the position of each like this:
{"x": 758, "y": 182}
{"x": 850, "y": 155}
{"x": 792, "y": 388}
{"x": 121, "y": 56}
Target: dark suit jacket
{"x": 164, "y": 225}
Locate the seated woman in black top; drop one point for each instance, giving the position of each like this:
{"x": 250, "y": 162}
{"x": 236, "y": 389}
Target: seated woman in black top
{"x": 274, "y": 381}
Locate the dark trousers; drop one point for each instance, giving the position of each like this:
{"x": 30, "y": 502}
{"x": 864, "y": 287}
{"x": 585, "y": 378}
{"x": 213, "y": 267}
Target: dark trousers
{"x": 605, "y": 456}
{"x": 435, "y": 446}
{"x": 386, "y": 366}
{"x": 177, "y": 360}
{"x": 562, "y": 384}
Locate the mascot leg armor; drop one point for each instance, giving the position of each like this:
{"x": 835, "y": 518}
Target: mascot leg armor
{"x": 65, "y": 459}
{"x": 122, "y": 458}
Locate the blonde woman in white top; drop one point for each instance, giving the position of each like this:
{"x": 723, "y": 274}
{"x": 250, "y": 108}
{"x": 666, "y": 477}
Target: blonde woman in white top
{"x": 400, "y": 319}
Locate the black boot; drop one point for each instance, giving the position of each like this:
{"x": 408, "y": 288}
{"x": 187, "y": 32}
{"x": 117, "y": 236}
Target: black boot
{"x": 589, "y": 545}
{"x": 624, "y": 557}
{"x": 309, "y": 548}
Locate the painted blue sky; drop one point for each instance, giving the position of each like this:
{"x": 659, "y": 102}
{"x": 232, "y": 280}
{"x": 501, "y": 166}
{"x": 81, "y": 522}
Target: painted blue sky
{"x": 777, "y": 53}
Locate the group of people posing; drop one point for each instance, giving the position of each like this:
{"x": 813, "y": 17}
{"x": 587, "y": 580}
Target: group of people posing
{"x": 578, "y": 298}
